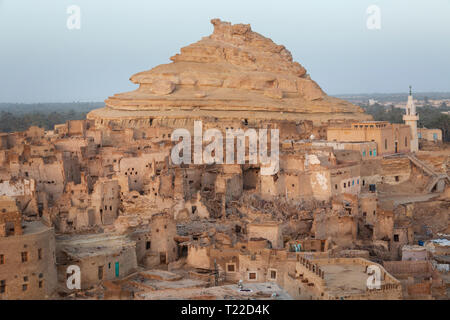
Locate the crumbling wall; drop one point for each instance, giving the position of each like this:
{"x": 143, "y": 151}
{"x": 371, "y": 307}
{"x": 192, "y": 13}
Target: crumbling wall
{"x": 106, "y": 201}
{"x": 269, "y": 231}
{"x": 384, "y": 226}
{"x": 163, "y": 231}
{"x": 341, "y": 229}
{"x": 34, "y": 278}
{"x": 198, "y": 257}
{"x": 408, "y": 268}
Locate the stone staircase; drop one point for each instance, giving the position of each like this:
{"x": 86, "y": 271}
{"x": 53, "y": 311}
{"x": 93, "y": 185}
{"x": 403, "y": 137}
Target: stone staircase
{"x": 422, "y": 165}
{"x": 437, "y": 180}
{"x": 441, "y": 178}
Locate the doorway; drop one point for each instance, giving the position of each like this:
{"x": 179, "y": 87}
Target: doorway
{"x": 162, "y": 257}
{"x": 117, "y": 269}
{"x": 182, "y": 251}
{"x": 100, "y": 272}
{"x": 396, "y": 146}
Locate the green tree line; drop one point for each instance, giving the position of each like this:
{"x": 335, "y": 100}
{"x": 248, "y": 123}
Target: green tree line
{"x": 10, "y": 122}
{"x": 20, "y": 116}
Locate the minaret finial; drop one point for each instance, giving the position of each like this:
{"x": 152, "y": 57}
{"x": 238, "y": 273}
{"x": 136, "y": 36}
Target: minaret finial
{"x": 410, "y": 90}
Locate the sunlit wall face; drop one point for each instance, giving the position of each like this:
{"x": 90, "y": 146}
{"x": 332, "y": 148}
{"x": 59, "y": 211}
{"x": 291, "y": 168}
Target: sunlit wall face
{"x": 343, "y": 48}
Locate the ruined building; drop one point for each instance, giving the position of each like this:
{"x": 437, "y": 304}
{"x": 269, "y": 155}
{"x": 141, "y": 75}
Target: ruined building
{"x": 349, "y": 200}
{"x": 27, "y": 255}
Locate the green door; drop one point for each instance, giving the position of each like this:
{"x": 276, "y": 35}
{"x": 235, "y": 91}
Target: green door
{"x": 117, "y": 269}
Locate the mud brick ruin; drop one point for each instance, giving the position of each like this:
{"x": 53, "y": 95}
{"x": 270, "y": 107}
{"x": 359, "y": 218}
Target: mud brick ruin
{"x": 351, "y": 194}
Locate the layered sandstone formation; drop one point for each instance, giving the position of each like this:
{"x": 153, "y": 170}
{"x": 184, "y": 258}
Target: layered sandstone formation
{"x": 235, "y": 73}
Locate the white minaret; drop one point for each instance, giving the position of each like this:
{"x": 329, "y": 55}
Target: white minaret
{"x": 411, "y": 119}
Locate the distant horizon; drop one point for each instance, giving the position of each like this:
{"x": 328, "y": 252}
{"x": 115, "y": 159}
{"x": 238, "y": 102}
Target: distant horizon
{"x": 406, "y": 93}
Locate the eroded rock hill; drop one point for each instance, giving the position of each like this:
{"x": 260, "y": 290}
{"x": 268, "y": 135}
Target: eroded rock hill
{"x": 233, "y": 70}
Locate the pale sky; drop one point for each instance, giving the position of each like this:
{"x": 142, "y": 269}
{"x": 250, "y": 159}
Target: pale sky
{"x": 43, "y": 61}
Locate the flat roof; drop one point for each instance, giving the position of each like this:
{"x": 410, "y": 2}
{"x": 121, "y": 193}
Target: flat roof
{"x": 343, "y": 142}
{"x": 345, "y": 279}
{"x": 31, "y": 227}
{"x": 155, "y": 284}
{"x": 260, "y": 291}
{"x": 441, "y": 242}
{"x": 81, "y": 246}
{"x": 369, "y": 121}
{"x": 414, "y": 247}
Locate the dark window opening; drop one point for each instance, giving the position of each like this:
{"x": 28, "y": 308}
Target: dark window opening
{"x": 162, "y": 257}
{"x": 100, "y": 273}
{"x": 182, "y": 251}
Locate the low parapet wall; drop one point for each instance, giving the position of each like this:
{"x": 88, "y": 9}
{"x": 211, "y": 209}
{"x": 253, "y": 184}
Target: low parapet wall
{"x": 386, "y": 292}
{"x": 386, "y": 276}
{"x": 309, "y": 272}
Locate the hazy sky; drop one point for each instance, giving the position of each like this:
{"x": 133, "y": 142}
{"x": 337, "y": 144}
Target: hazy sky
{"x": 43, "y": 61}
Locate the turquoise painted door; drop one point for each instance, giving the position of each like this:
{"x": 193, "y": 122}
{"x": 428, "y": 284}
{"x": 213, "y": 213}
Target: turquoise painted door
{"x": 117, "y": 269}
